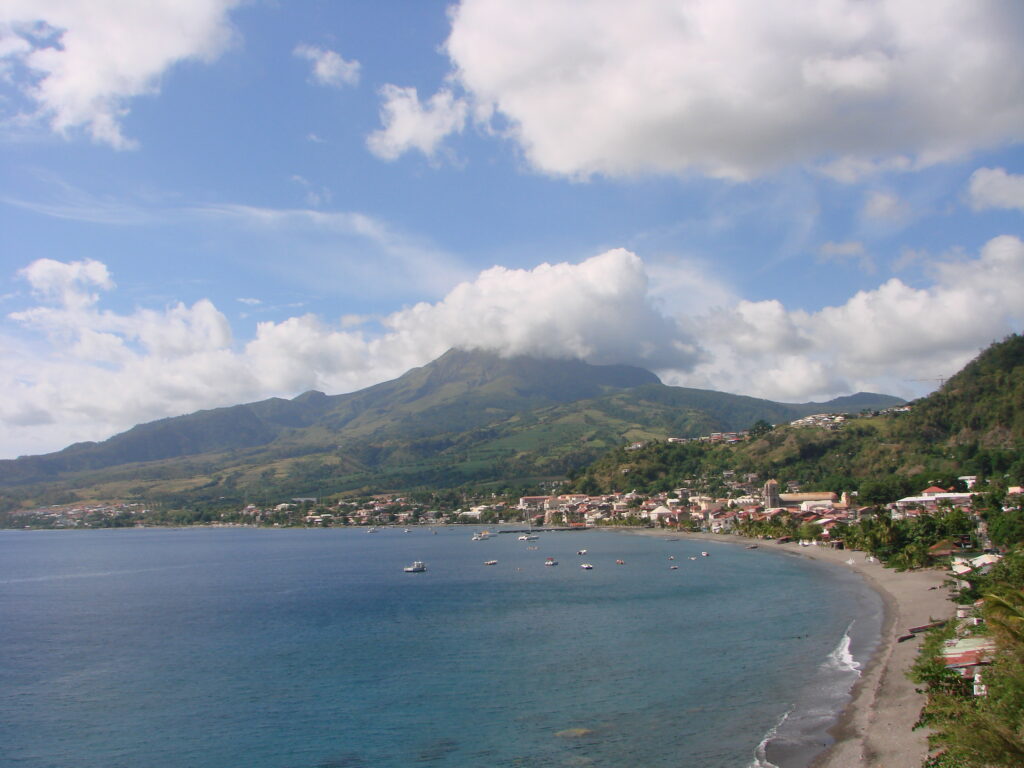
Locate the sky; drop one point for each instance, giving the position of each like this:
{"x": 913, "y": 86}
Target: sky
{"x": 211, "y": 202}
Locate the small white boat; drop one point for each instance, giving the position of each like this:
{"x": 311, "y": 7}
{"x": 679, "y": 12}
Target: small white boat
{"x": 704, "y": 554}
{"x": 586, "y": 566}
{"x": 673, "y": 567}
{"x": 528, "y": 537}
{"x": 406, "y": 531}
{"x": 581, "y": 552}
{"x": 416, "y": 567}
{"x": 490, "y": 562}
{"x": 551, "y": 561}
{"x": 481, "y": 536}
{"x": 620, "y": 562}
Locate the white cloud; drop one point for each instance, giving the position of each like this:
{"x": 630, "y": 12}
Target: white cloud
{"x": 410, "y": 125}
{"x": 101, "y": 372}
{"x": 885, "y": 208}
{"x": 995, "y": 188}
{"x": 86, "y": 61}
{"x": 98, "y": 372}
{"x": 329, "y": 68}
{"x": 737, "y": 88}
{"x": 878, "y": 340}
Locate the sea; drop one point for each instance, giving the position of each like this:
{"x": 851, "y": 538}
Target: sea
{"x": 313, "y": 648}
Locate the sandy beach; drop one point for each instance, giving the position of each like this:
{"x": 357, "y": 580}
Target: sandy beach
{"x": 877, "y": 727}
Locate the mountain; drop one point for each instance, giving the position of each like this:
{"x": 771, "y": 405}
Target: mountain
{"x": 469, "y": 415}
{"x": 983, "y": 403}
{"x": 972, "y": 425}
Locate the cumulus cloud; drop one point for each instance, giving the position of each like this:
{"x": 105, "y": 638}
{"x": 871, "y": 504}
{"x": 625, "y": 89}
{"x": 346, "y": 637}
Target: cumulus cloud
{"x": 409, "y": 124}
{"x": 103, "y": 371}
{"x": 877, "y": 340}
{"x": 329, "y": 68}
{"x": 733, "y": 88}
{"x": 84, "y": 62}
{"x": 995, "y": 188}
{"x": 99, "y": 371}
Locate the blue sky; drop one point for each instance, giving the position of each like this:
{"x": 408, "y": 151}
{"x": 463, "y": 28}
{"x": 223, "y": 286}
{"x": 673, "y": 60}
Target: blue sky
{"x": 207, "y": 202}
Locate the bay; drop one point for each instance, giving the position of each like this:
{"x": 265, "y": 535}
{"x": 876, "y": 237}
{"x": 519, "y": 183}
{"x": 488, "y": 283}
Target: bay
{"x": 293, "y": 648}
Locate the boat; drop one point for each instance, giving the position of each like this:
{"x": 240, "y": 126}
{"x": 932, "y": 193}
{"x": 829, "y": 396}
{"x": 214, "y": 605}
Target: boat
{"x": 673, "y": 567}
{"x": 416, "y": 567}
{"x": 406, "y": 531}
{"x": 581, "y": 552}
{"x": 704, "y": 554}
{"x": 751, "y": 546}
{"x": 620, "y": 562}
{"x": 551, "y": 561}
{"x": 490, "y": 562}
{"x": 671, "y": 557}
{"x": 481, "y": 536}
{"x": 528, "y": 537}
{"x": 586, "y": 566}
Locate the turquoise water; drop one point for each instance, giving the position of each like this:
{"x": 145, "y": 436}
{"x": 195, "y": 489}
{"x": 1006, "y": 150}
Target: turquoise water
{"x": 244, "y": 647}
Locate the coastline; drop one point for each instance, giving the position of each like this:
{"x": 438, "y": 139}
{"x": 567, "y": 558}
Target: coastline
{"x": 876, "y": 728}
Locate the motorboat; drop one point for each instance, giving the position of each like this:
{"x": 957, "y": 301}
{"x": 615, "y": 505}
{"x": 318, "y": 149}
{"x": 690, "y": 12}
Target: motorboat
{"x": 581, "y": 552}
{"x": 490, "y": 562}
{"x": 673, "y": 567}
{"x": 528, "y": 537}
{"x": 417, "y": 567}
{"x": 704, "y": 554}
{"x": 551, "y": 561}
{"x": 620, "y": 562}
{"x": 586, "y": 566}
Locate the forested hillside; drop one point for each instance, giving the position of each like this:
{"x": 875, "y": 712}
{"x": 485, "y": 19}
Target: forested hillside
{"x": 973, "y": 425}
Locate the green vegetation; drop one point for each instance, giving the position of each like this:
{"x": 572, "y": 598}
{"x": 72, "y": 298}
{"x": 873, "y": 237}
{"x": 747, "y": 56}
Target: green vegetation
{"x": 972, "y": 426}
{"x": 467, "y": 419}
{"x": 987, "y": 730}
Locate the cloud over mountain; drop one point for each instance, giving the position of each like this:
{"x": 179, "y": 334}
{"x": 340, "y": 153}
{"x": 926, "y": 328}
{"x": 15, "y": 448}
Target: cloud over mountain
{"x": 99, "y": 371}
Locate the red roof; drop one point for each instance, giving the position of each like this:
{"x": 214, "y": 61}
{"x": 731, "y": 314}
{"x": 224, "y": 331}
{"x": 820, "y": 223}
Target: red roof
{"x": 967, "y": 658}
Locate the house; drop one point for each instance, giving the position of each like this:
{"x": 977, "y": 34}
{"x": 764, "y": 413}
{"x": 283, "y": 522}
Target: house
{"x": 967, "y": 655}
{"x": 533, "y": 502}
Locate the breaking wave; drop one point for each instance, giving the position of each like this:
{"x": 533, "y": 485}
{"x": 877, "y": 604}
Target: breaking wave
{"x": 841, "y": 659}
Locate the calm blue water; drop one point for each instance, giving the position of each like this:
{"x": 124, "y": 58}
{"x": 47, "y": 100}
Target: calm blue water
{"x": 242, "y": 647}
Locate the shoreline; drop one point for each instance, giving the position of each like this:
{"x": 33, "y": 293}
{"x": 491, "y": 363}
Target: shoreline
{"x": 875, "y": 730}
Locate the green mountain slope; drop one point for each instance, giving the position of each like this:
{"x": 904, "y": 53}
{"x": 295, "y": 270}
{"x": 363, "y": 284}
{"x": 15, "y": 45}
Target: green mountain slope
{"x": 974, "y": 425}
{"x": 466, "y": 417}
{"x": 981, "y": 404}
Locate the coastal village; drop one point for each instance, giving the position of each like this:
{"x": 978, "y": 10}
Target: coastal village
{"x": 958, "y": 653}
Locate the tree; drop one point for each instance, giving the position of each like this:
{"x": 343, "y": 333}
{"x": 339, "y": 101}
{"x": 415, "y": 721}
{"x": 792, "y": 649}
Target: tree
{"x": 760, "y": 428}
